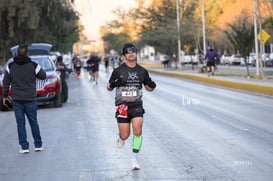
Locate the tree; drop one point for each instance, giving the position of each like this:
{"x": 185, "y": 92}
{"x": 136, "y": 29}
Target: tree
{"x": 268, "y": 26}
{"x": 114, "y": 41}
{"x": 51, "y": 21}
{"x": 155, "y": 23}
{"x": 158, "y": 26}
{"x": 241, "y": 37}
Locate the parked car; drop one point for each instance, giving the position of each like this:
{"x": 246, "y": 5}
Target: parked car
{"x": 268, "y": 62}
{"x": 236, "y": 59}
{"x": 225, "y": 59}
{"x": 251, "y": 59}
{"x": 189, "y": 58}
{"x": 267, "y": 59}
{"x": 48, "y": 91}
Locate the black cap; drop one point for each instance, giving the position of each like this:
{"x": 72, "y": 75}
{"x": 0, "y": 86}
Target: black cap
{"x": 127, "y": 45}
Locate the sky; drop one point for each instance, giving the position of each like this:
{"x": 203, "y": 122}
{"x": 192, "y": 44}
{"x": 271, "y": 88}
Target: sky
{"x": 95, "y": 13}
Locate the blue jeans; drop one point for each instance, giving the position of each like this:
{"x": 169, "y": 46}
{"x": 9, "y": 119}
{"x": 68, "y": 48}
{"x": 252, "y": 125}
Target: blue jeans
{"x": 28, "y": 109}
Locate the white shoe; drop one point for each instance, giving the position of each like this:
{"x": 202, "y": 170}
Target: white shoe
{"x": 135, "y": 164}
{"x": 23, "y": 151}
{"x": 120, "y": 143}
{"x": 39, "y": 149}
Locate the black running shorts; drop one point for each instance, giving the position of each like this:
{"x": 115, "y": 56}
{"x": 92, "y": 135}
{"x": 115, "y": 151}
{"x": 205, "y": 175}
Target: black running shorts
{"x": 210, "y": 63}
{"x": 132, "y": 112}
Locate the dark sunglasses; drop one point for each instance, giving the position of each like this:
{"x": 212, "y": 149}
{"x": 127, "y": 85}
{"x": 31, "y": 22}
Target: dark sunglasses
{"x": 130, "y": 50}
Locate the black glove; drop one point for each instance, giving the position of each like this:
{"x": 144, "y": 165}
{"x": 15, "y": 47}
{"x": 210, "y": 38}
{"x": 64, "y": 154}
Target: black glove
{"x": 117, "y": 83}
{"x": 151, "y": 83}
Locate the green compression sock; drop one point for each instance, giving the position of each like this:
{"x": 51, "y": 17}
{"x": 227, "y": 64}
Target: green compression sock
{"x": 137, "y": 142}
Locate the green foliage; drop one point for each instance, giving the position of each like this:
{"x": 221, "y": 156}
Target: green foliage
{"x": 268, "y": 26}
{"x": 161, "y": 31}
{"x": 114, "y": 41}
{"x": 27, "y": 21}
{"x": 159, "y": 26}
{"x": 241, "y": 36}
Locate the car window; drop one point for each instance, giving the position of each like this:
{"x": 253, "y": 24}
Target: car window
{"x": 34, "y": 49}
{"x": 44, "y": 62}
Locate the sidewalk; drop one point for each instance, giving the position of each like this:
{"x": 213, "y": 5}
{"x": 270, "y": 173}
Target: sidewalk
{"x": 231, "y": 77}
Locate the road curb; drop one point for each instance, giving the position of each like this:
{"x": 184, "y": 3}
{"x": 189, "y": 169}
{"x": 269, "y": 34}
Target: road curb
{"x": 262, "y": 89}
{"x": 151, "y": 64}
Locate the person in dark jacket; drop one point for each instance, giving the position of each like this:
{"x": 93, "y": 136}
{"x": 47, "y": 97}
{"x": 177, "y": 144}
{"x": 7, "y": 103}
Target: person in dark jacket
{"x": 20, "y": 76}
{"x": 211, "y": 56}
{"x": 63, "y": 69}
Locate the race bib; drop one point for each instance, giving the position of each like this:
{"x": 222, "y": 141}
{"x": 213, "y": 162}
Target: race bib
{"x": 129, "y": 92}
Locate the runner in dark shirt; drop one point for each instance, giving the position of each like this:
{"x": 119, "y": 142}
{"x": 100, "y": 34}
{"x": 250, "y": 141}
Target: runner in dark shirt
{"x": 128, "y": 79}
{"x": 210, "y": 56}
{"x": 94, "y": 62}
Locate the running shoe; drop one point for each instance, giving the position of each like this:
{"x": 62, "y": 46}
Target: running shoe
{"x": 39, "y": 149}
{"x": 135, "y": 164}
{"x": 23, "y": 151}
{"x": 120, "y": 143}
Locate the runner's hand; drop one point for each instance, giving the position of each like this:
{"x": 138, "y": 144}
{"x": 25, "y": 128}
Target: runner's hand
{"x": 150, "y": 83}
{"x": 117, "y": 83}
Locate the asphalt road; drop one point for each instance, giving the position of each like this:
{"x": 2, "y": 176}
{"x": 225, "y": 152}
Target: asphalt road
{"x": 191, "y": 132}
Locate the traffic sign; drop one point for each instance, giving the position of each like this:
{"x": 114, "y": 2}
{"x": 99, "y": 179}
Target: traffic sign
{"x": 265, "y": 36}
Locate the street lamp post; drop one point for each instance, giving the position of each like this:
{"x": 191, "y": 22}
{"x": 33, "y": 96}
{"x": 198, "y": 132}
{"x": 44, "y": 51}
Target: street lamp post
{"x": 261, "y": 42}
{"x": 204, "y": 28}
{"x": 256, "y": 38}
{"x": 178, "y": 32}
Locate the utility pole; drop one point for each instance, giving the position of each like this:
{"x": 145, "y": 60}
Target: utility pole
{"x": 261, "y": 41}
{"x": 178, "y": 31}
{"x": 256, "y": 38}
{"x": 204, "y": 28}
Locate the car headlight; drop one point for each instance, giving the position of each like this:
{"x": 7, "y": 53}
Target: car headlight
{"x": 51, "y": 80}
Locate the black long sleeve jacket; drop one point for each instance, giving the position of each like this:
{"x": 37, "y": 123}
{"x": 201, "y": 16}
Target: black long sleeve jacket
{"x": 20, "y": 76}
